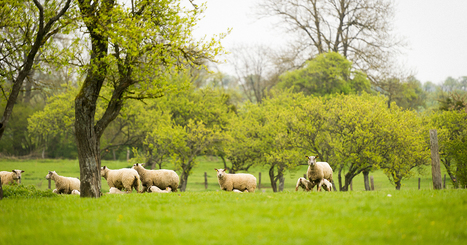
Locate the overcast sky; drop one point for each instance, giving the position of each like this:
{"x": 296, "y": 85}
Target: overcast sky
{"x": 436, "y": 31}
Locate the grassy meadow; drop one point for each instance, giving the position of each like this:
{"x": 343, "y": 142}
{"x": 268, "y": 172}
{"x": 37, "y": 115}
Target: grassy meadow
{"x": 200, "y": 216}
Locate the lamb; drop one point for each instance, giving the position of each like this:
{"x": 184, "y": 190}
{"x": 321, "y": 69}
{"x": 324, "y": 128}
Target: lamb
{"x": 10, "y": 177}
{"x": 304, "y": 183}
{"x": 327, "y": 185}
{"x": 156, "y": 189}
{"x": 162, "y": 178}
{"x": 64, "y": 185}
{"x": 318, "y": 171}
{"x": 75, "y": 192}
{"x": 241, "y": 182}
{"x": 125, "y": 178}
{"x": 114, "y": 190}
{"x": 307, "y": 185}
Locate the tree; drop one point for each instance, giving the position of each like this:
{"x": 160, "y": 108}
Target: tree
{"x": 192, "y": 123}
{"x": 360, "y": 30}
{"x": 26, "y": 30}
{"x": 328, "y": 73}
{"x": 131, "y": 50}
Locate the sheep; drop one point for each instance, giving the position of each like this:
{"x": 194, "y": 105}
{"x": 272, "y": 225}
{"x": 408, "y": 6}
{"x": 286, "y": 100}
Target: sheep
{"x": 307, "y": 185}
{"x": 114, "y": 190}
{"x": 327, "y": 185}
{"x": 75, "y": 192}
{"x": 235, "y": 190}
{"x": 304, "y": 183}
{"x": 125, "y": 178}
{"x": 64, "y": 185}
{"x": 11, "y": 177}
{"x": 318, "y": 171}
{"x": 156, "y": 189}
{"x": 241, "y": 182}
{"x": 162, "y": 178}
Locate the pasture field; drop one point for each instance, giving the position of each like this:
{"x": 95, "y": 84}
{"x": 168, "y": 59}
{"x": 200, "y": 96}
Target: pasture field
{"x": 218, "y": 217}
{"x": 36, "y": 170}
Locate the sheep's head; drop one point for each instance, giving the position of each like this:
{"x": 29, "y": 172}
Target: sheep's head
{"x": 311, "y": 160}
{"x": 137, "y": 165}
{"x": 104, "y": 170}
{"x": 220, "y": 173}
{"x": 17, "y": 175}
{"x": 49, "y": 175}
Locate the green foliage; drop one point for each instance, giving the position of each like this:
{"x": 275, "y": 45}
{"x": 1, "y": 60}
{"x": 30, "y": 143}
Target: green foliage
{"x": 22, "y": 191}
{"x": 328, "y": 73}
{"x": 452, "y": 137}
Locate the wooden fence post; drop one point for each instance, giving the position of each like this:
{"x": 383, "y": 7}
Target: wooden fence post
{"x": 419, "y": 183}
{"x": 304, "y": 176}
{"x": 435, "y": 166}
{"x": 50, "y": 185}
{"x": 205, "y": 180}
{"x": 372, "y": 183}
{"x": 259, "y": 183}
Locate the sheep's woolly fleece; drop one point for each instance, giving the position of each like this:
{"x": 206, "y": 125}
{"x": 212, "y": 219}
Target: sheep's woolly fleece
{"x": 318, "y": 171}
{"x": 241, "y": 182}
{"x": 125, "y": 178}
{"x": 9, "y": 178}
{"x": 162, "y": 178}
{"x": 63, "y": 185}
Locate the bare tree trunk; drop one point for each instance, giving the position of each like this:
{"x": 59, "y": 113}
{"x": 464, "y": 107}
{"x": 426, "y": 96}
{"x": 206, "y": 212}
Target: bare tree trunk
{"x": 366, "y": 180}
{"x": 435, "y": 166}
{"x": 273, "y": 181}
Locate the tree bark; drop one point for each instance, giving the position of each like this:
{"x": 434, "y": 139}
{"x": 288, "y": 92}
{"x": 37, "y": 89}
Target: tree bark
{"x": 271, "y": 177}
{"x": 435, "y": 166}
{"x": 366, "y": 180}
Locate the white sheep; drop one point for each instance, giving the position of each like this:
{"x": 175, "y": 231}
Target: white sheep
{"x": 114, "y": 190}
{"x": 241, "y": 182}
{"x": 318, "y": 171}
{"x": 304, "y": 183}
{"x": 10, "y": 177}
{"x": 64, "y": 185}
{"x": 75, "y": 192}
{"x": 156, "y": 189}
{"x": 125, "y": 178}
{"x": 307, "y": 185}
{"x": 327, "y": 185}
{"x": 162, "y": 178}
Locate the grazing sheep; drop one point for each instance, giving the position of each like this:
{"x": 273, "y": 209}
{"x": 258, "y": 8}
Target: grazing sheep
{"x": 114, "y": 190}
{"x": 241, "y": 182}
{"x": 63, "y": 185}
{"x": 318, "y": 171}
{"x": 75, "y": 192}
{"x": 162, "y": 178}
{"x": 125, "y": 178}
{"x": 10, "y": 177}
{"x": 304, "y": 183}
{"x": 156, "y": 189}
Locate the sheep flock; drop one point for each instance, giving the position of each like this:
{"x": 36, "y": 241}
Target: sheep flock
{"x": 124, "y": 181}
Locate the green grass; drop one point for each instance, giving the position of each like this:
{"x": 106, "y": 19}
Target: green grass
{"x": 36, "y": 170}
{"x": 217, "y": 217}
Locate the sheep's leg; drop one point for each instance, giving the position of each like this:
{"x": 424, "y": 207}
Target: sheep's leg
{"x": 320, "y": 184}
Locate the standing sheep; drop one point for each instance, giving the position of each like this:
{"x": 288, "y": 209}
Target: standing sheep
{"x": 241, "y": 182}
{"x": 125, "y": 178}
{"x": 162, "y": 178}
{"x": 10, "y": 177}
{"x": 64, "y": 185}
{"x": 318, "y": 171}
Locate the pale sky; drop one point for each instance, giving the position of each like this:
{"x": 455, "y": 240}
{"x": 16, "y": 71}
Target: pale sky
{"x": 436, "y": 31}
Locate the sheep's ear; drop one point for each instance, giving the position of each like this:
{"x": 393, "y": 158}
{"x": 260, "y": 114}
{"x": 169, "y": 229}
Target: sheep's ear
{"x": 215, "y": 169}
{"x": 306, "y": 156}
{"x": 104, "y": 167}
{"x": 22, "y": 171}
{"x": 317, "y": 157}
